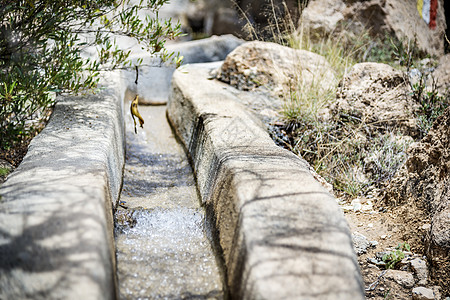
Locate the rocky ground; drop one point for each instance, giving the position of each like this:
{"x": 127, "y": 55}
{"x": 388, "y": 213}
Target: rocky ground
{"x": 411, "y": 210}
{"x": 376, "y": 231}
{"x": 11, "y": 158}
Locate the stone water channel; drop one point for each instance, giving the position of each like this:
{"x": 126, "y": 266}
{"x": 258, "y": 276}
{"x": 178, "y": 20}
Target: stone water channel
{"x": 163, "y": 243}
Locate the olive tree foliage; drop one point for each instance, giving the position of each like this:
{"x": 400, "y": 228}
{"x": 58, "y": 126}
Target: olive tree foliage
{"x": 41, "y": 52}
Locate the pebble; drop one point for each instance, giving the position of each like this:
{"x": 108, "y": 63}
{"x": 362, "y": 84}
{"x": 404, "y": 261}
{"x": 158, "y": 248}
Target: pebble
{"x": 403, "y": 278}
{"x": 426, "y": 226}
{"x": 360, "y": 205}
{"x": 380, "y": 254}
{"x": 422, "y": 293}
{"x": 357, "y": 207}
{"x": 376, "y": 262}
{"x": 360, "y": 243}
{"x": 419, "y": 266}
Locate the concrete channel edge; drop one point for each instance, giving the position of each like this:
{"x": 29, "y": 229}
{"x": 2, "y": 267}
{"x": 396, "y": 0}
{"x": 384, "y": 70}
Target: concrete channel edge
{"x": 56, "y": 223}
{"x": 282, "y": 234}
{"x": 56, "y": 227}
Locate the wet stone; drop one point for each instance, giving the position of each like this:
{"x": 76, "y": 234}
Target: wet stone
{"x": 124, "y": 219}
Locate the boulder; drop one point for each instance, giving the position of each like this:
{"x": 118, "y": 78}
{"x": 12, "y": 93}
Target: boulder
{"x": 216, "y": 17}
{"x": 442, "y": 74}
{"x": 275, "y": 67}
{"x": 377, "y": 94}
{"x": 398, "y": 17}
{"x": 323, "y": 16}
{"x": 153, "y": 80}
{"x": 214, "y": 48}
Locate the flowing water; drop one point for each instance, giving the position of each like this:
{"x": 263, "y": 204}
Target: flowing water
{"x": 162, "y": 245}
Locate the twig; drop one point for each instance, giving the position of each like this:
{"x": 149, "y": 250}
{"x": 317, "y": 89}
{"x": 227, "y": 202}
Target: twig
{"x": 137, "y": 74}
{"x": 374, "y": 284}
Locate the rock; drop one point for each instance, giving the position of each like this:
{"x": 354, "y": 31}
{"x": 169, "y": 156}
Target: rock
{"x": 259, "y": 13}
{"x": 424, "y": 187}
{"x": 323, "y": 16}
{"x": 227, "y": 20}
{"x": 426, "y": 226}
{"x": 360, "y": 243}
{"x": 419, "y": 266}
{"x": 404, "y": 20}
{"x": 376, "y": 93}
{"x": 356, "y": 204}
{"x": 442, "y": 74}
{"x": 124, "y": 218}
{"x": 209, "y": 17}
{"x": 215, "y": 48}
{"x": 279, "y": 68}
{"x": 422, "y": 293}
{"x": 402, "y": 278}
{"x": 437, "y": 293}
{"x": 376, "y": 262}
{"x": 154, "y": 79}
{"x": 398, "y": 17}
{"x": 379, "y": 255}
{"x": 427, "y": 179}
{"x": 197, "y": 16}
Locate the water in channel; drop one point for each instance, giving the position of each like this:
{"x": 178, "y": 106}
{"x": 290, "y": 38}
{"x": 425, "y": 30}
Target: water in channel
{"x": 162, "y": 245}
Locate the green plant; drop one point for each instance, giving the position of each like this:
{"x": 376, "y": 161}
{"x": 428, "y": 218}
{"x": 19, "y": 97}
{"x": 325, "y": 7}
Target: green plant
{"x": 4, "y": 171}
{"x": 431, "y": 104}
{"x": 393, "y": 257}
{"x": 385, "y": 155}
{"x": 386, "y": 294}
{"x": 346, "y": 180}
{"x": 407, "y": 53}
{"x": 41, "y": 52}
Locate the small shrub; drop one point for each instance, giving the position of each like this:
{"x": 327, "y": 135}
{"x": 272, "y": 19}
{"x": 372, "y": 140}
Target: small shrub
{"x": 431, "y": 104}
{"x": 40, "y": 53}
{"x": 393, "y": 257}
{"x": 385, "y": 155}
{"x": 4, "y": 171}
